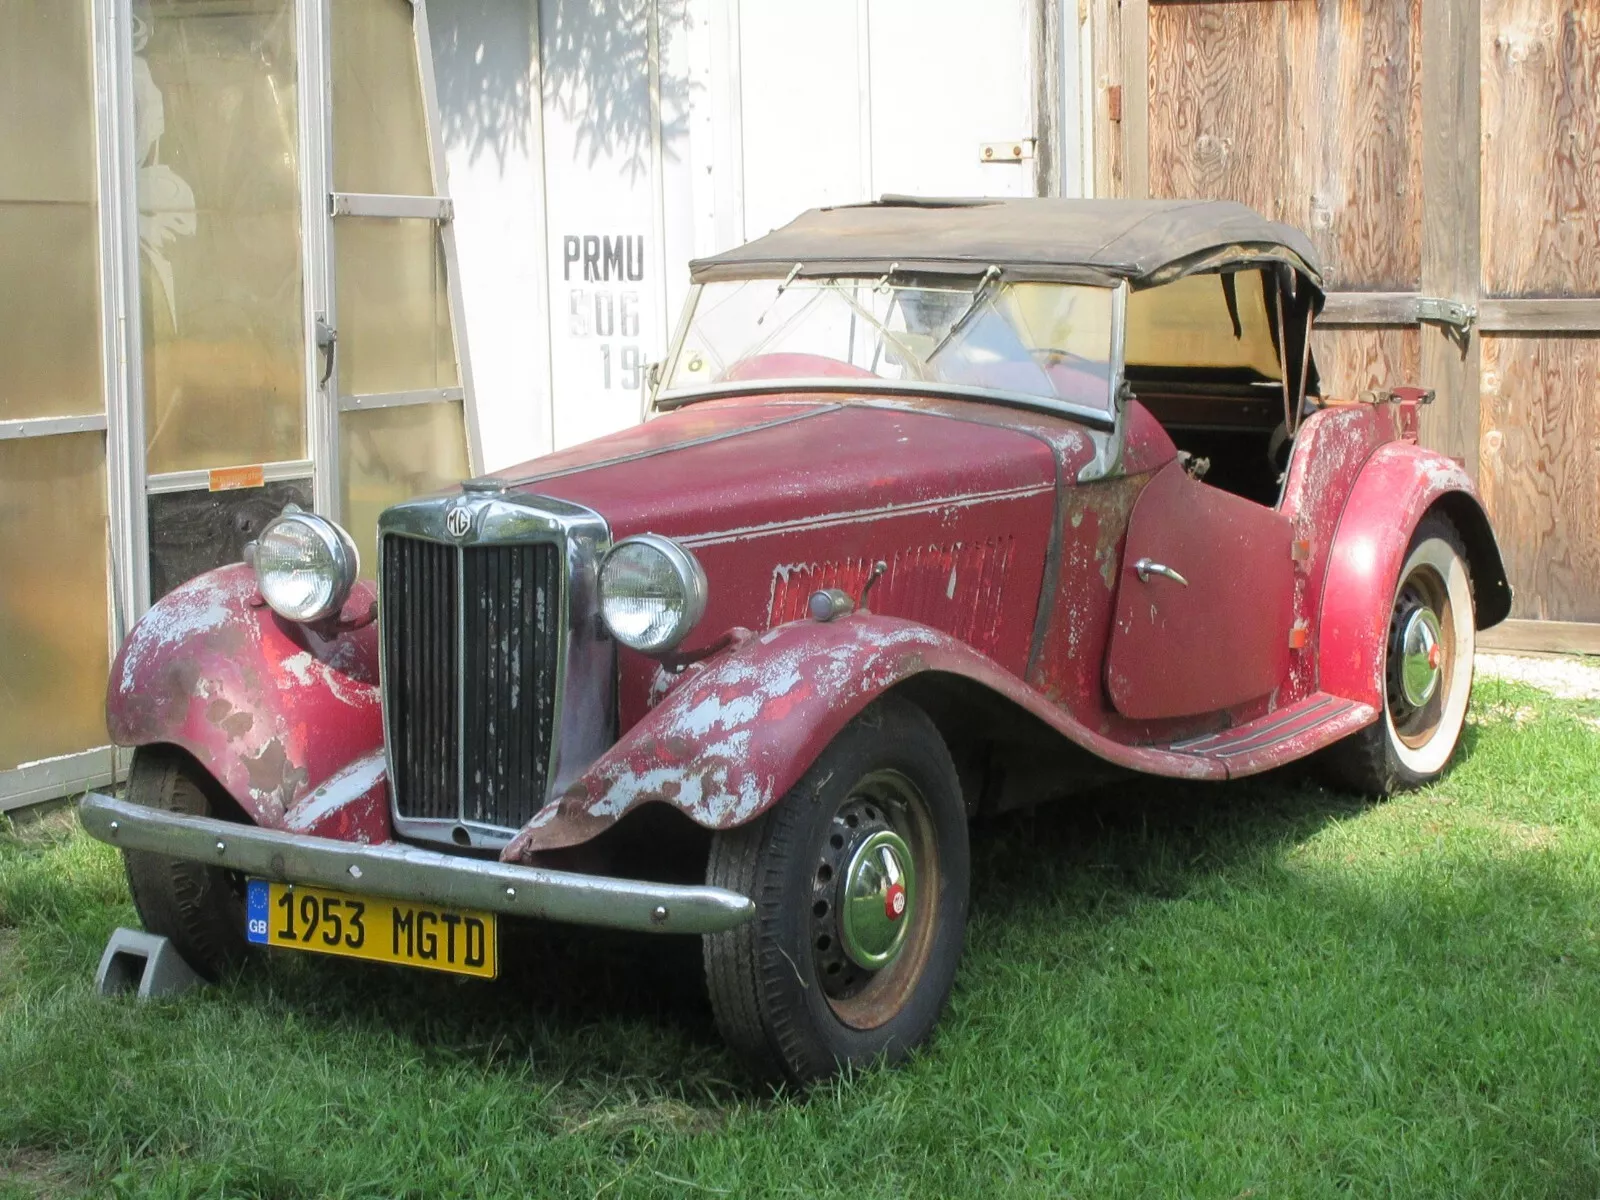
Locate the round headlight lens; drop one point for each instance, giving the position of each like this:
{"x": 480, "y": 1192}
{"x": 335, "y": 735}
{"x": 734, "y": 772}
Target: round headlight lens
{"x": 652, "y": 593}
{"x": 305, "y": 566}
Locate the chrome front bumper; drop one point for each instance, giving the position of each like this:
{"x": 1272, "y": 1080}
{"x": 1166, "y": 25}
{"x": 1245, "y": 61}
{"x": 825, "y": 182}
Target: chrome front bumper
{"x": 402, "y": 872}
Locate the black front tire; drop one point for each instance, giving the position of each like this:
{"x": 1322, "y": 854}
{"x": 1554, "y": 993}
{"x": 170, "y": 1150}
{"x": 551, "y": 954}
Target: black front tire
{"x": 785, "y": 997}
{"x": 200, "y": 908}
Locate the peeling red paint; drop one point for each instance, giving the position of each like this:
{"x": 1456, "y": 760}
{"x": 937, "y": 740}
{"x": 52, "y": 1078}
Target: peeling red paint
{"x": 268, "y": 707}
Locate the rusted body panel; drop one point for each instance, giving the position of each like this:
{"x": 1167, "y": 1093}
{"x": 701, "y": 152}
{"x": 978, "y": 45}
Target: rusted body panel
{"x": 1215, "y": 634}
{"x": 287, "y": 722}
{"x": 958, "y": 510}
{"x": 730, "y": 738}
{"x": 1397, "y": 486}
{"x": 998, "y": 566}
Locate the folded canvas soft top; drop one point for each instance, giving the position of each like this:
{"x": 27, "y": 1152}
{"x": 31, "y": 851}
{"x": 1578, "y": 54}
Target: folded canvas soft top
{"x": 1088, "y": 241}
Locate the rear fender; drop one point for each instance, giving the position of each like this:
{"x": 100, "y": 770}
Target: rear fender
{"x": 287, "y": 722}
{"x": 1399, "y": 485}
{"x": 732, "y": 736}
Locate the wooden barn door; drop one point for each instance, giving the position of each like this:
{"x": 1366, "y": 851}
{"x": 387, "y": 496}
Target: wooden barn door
{"x": 1441, "y": 155}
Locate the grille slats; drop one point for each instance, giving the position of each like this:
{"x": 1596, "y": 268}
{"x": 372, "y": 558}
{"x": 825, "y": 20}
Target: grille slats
{"x": 471, "y": 654}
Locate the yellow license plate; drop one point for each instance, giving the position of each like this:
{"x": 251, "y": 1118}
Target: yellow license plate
{"x": 297, "y": 917}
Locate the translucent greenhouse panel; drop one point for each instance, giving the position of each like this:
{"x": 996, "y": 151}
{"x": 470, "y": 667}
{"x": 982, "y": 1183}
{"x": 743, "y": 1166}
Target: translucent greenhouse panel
{"x": 394, "y": 307}
{"x": 53, "y": 636}
{"x": 49, "y": 273}
{"x": 393, "y": 454}
{"x": 380, "y": 136}
{"x": 217, "y": 150}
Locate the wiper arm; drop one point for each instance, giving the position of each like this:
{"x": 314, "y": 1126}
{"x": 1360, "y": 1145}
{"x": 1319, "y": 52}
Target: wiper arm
{"x": 979, "y": 295}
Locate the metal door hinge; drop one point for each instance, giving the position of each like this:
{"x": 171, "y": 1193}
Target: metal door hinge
{"x": 1007, "y": 152}
{"x": 1436, "y": 309}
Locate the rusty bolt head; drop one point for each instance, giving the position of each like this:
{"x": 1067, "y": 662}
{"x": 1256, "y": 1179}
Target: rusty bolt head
{"x": 221, "y": 846}
{"x": 115, "y": 826}
{"x": 658, "y": 915}
{"x": 511, "y": 893}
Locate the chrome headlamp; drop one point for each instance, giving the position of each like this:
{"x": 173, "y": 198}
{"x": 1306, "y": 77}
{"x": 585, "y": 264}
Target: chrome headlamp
{"x": 652, "y": 593}
{"x": 305, "y": 565}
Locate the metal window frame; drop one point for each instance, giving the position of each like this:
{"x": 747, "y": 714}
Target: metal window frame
{"x": 29, "y": 427}
{"x": 199, "y": 479}
{"x": 65, "y": 775}
{"x": 317, "y": 140}
{"x": 47, "y": 779}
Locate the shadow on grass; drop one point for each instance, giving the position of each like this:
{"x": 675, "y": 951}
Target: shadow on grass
{"x": 603, "y": 1010}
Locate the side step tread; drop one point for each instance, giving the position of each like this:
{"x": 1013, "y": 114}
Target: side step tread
{"x": 1312, "y": 723}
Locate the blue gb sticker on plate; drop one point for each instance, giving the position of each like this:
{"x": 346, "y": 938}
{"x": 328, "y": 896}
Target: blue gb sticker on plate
{"x": 258, "y": 900}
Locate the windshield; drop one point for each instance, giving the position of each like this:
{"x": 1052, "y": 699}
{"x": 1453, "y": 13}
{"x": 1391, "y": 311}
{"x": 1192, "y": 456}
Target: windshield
{"x": 1044, "y": 341}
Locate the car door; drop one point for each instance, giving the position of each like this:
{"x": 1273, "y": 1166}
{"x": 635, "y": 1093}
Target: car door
{"x": 1204, "y": 601}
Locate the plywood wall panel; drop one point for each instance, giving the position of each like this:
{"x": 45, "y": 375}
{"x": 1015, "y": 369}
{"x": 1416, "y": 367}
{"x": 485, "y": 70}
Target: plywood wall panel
{"x": 1307, "y": 112}
{"x": 1352, "y": 361}
{"x": 1541, "y": 143}
{"x": 1540, "y": 469}
{"x": 1217, "y": 103}
{"x": 1355, "y": 164}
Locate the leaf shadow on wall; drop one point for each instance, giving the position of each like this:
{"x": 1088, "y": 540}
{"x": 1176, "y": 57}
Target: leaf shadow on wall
{"x": 596, "y": 76}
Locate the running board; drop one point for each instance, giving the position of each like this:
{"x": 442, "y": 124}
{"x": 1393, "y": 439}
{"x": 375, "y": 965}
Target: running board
{"x": 1281, "y": 736}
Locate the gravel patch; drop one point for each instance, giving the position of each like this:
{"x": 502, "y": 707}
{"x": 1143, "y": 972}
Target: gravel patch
{"x": 1567, "y": 678}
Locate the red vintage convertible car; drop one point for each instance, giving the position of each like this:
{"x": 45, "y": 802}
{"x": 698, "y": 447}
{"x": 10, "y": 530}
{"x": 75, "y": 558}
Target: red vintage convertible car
{"x": 946, "y": 506}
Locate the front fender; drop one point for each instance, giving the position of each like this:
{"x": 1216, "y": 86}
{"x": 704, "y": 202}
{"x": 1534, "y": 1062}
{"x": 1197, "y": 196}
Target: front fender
{"x": 1399, "y": 485}
{"x": 730, "y": 739}
{"x": 288, "y": 722}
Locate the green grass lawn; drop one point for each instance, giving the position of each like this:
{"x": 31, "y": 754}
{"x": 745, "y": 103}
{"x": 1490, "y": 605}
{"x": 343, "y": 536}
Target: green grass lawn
{"x": 1265, "y": 989}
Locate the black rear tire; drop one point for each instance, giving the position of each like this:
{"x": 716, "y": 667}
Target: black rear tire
{"x": 200, "y": 908}
{"x": 787, "y": 995}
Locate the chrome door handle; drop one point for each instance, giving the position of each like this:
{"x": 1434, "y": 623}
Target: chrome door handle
{"x": 1148, "y": 567}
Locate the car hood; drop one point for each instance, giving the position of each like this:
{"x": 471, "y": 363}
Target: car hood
{"x": 737, "y": 467}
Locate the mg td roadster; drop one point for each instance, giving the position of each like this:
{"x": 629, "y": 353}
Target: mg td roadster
{"x": 945, "y": 507}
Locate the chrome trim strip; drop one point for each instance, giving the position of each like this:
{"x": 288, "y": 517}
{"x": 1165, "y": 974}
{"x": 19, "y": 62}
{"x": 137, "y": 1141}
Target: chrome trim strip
{"x": 200, "y": 480}
{"x": 856, "y": 515}
{"x": 403, "y": 872}
{"x": 1107, "y": 460}
{"x": 24, "y": 427}
{"x": 833, "y": 385}
{"x": 585, "y": 706}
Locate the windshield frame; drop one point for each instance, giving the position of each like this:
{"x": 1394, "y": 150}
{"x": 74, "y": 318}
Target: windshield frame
{"x": 660, "y": 400}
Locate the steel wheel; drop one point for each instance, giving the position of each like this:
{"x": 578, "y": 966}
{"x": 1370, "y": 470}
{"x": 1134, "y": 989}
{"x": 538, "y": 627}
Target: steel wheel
{"x": 859, "y": 876}
{"x": 872, "y": 915}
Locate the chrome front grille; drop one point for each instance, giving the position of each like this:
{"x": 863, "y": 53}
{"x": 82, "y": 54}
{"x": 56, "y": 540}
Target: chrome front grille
{"x": 472, "y": 651}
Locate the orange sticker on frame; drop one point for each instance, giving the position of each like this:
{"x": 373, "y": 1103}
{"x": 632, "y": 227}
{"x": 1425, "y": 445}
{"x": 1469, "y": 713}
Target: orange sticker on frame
{"x": 226, "y": 479}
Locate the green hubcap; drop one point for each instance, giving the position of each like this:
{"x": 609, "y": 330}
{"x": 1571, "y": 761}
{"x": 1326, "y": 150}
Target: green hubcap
{"x": 876, "y": 897}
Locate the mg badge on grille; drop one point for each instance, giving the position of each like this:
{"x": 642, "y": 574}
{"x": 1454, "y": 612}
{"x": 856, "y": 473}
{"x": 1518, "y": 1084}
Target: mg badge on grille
{"x": 458, "y": 522}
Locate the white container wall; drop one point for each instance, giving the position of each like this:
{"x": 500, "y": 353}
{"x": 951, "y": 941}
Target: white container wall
{"x": 642, "y": 133}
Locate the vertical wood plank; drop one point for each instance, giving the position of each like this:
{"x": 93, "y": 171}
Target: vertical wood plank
{"x": 1353, "y": 175}
{"x": 1541, "y": 140}
{"x": 1216, "y": 127}
{"x": 1450, "y": 189}
{"x": 1136, "y": 97}
{"x": 1107, "y": 58}
{"x": 1541, "y": 469}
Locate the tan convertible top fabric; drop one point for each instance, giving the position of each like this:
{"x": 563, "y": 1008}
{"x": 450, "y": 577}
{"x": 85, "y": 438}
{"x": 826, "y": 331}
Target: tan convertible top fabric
{"x": 1091, "y": 241}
